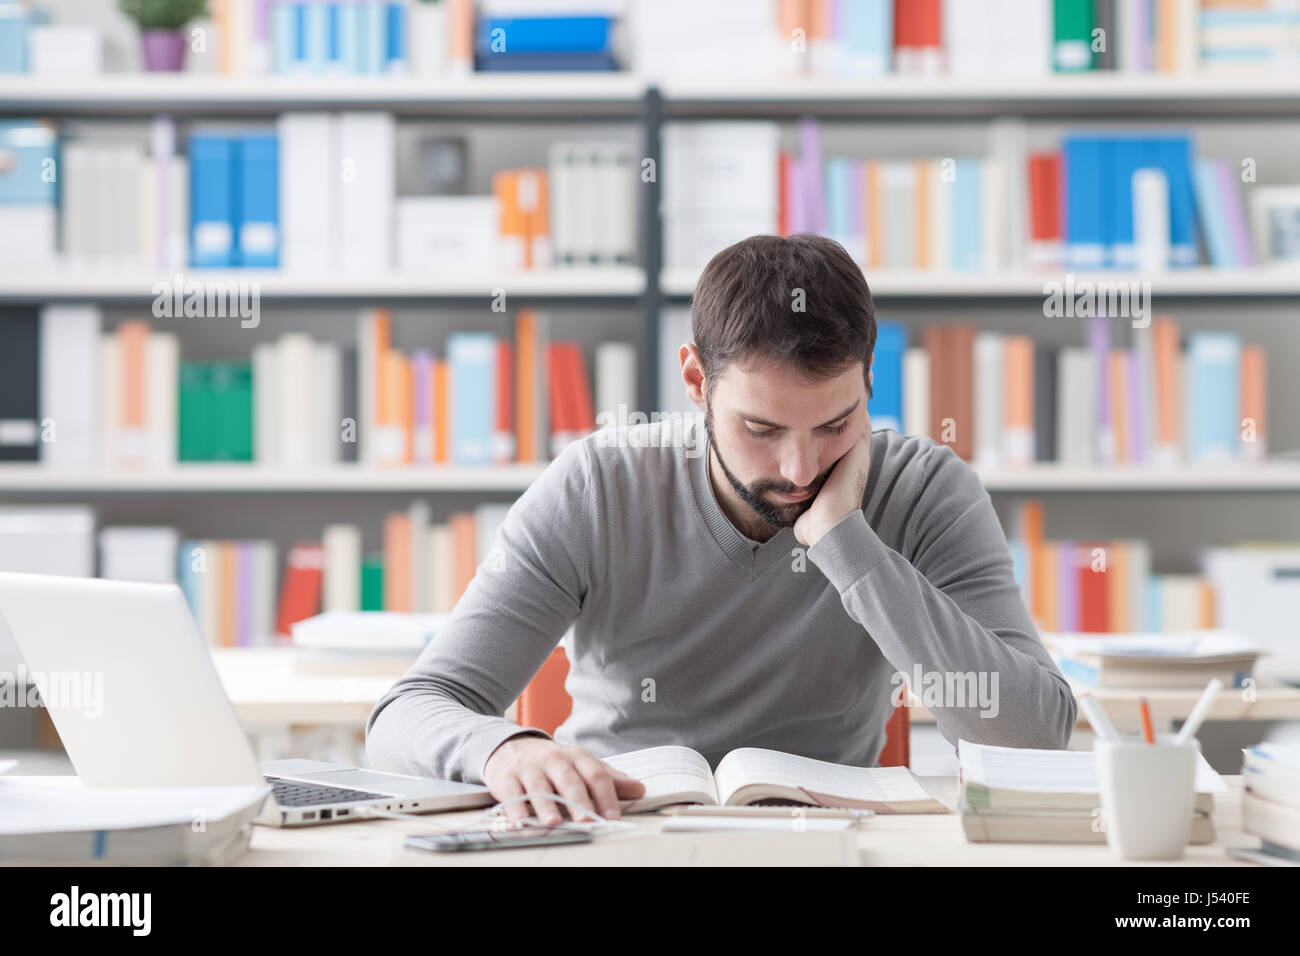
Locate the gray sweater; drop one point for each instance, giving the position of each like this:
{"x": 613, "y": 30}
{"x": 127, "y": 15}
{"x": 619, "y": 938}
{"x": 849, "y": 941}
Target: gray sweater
{"x": 684, "y": 633}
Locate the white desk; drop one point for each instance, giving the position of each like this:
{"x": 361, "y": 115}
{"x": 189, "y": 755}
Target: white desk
{"x": 884, "y": 840}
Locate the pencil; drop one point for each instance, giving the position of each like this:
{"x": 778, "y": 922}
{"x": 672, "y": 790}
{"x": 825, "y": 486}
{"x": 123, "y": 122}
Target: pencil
{"x": 1146, "y": 721}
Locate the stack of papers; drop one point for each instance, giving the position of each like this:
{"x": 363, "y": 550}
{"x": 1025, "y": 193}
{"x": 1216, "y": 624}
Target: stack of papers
{"x": 1186, "y": 660}
{"x": 59, "y": 821}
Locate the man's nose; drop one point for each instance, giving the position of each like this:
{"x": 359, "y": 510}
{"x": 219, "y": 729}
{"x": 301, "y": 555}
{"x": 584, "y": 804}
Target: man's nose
{"x": 799, "y": 462}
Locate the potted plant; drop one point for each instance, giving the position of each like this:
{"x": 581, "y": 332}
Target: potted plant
{"x": 161, "y": 23}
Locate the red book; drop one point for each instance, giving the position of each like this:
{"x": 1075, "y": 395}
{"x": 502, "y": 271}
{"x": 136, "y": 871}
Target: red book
{"x": 584, "y": 413}
{"x": 1045, "y": 197}
{"x": 561, "y": 414}
{"x": 1094, "y": 590}
{"x": 300, "y": 595}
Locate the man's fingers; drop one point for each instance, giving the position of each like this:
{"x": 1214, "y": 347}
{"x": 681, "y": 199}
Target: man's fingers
{"x": 570, "y": 785}
{"x": 545, "y": 810}
{"x": 601, "y": 785}
{"x": 512, "y": 787}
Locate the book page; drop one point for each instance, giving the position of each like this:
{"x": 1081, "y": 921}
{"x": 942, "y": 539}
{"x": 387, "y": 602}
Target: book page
{"x": 1049, "y": 771}
{"x": 750, "y": 766}
{"x": 670, "y": 774}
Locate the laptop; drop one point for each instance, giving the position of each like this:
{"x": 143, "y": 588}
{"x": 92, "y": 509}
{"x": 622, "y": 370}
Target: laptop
{"x": 131, "y": 688}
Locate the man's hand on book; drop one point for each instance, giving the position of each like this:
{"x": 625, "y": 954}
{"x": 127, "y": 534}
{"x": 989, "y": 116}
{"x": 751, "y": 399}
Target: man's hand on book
{"x": 531, "y": 764}
{"x": 842, "y": 493}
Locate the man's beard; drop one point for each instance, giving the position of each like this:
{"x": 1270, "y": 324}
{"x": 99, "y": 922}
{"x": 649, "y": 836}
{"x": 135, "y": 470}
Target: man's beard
{"x": 778, "y": 516}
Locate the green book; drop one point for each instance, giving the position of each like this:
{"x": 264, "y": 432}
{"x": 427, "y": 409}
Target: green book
{"x": 372, "y": 583}
{"x": 1072, "y": 36}
{"x": 194, "y": 411}
{"x": 232, "y": 418}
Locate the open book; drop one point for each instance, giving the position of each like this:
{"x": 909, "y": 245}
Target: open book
{"x": 749, "y": 775}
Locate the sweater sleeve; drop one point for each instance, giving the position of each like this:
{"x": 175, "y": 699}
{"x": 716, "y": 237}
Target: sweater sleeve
{"x": 952, "y": 610}
{"x": 443, "y": 718}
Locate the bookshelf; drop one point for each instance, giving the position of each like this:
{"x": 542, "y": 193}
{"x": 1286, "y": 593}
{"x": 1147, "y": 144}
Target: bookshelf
{"x": 245, "y": 478}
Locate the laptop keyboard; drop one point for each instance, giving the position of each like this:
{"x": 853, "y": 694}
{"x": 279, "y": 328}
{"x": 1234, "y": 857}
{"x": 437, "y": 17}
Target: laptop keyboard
{"x": 295, "y": 793}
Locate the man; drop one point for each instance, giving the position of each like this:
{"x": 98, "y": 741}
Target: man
{"x": 761, "y": 584}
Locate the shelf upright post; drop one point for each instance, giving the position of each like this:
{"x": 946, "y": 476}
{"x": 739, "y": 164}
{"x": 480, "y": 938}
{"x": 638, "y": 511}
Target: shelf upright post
{"x": 652, "y": 300}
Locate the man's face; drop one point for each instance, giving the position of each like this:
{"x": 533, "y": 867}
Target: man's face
{"x": 777, "y": 435}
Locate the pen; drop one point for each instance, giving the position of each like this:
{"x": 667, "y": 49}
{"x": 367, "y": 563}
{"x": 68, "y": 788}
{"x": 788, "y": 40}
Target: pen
{"x": 1199, "y": 712}
{"x": 1101, "y": 725}
{"x": 1147, "y": 732}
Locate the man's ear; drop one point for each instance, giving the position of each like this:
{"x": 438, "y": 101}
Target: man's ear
{"x": 692, "y": 373}
{"x": 871, "y": 376}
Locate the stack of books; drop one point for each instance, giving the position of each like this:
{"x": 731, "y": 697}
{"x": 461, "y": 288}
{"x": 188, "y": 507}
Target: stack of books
{"x": 1175, "y": 661}
{"x": 1270, "y": 802}
{"x": 1015, "y": 795}
{"x": 28, "y": 192}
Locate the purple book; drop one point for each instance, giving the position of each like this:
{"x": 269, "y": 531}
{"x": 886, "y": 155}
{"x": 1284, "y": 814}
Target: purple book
{"x": 811, "y": 172}
{"x": 422, "y": 372}
{"x": 1234, "y": 214}
{"x": 1099, "y": 342}
{"x": 1069, "y": 587}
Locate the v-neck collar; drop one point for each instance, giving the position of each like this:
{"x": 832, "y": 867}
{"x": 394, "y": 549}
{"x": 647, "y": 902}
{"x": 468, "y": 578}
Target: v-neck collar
{"x": 734, "y": 545}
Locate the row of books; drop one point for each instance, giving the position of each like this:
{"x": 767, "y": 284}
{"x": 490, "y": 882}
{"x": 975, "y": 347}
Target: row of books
{"x": 1006, "y": 401}
{"x": 967, "y": 38}
{"x": 317, "y": 194}
{"x": 74, "y": 395}
{"x": 1102, "y": 586}
{"x": 1123, "y": 201}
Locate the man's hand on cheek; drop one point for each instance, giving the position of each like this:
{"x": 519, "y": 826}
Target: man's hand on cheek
{"x": 842, "y": 493}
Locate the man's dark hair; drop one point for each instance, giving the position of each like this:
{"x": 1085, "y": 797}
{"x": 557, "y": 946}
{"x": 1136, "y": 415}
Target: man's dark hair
{"x": 799, "y": 300}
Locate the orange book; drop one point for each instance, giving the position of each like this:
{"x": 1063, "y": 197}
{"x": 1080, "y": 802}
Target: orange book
{"x": 406, "y": 411}
{"x": 526, "y": 386}
{"x": 1117, "y": 380}
{"x": 792, "y": 15}
{"x": 1119, "y": 587}
{"x": 464, "y": 549}
{"x": 1018, "y": 399}
{"x": 227, "y": 592}
{"x": 397, "y": 562}
{"x": 395, "y": 419}
{"x": 534, "y": 202}
{"x": 924, "y": 185}
{"x": 871, "y": 214}
{"x": 1165, "y": 33}
{"x": 1254, "y": 401}
{"x": 503, "y": 429}
{"x": 819, "y": 19}
{"x": 133, "y": 337}
{"x": 1207, "y": 605}
{"x": 1030, "y": 521}
{"x": 505, "y": 186}
{"x": 460, "y": 30}
{"x": 441, "y": 413}
{"x": 1168, "y": 407}
{"x": 1046, "y": 597}
{"x": 225, "y": 41}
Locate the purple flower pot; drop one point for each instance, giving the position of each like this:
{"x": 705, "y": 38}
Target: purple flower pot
{"x": 164, "y": 50}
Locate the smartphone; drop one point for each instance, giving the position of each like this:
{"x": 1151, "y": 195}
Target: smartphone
{"x": 497, "y": 839}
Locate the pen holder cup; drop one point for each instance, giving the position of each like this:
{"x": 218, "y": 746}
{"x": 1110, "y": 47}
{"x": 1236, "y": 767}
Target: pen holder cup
{"x": 1148, "y": 792}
